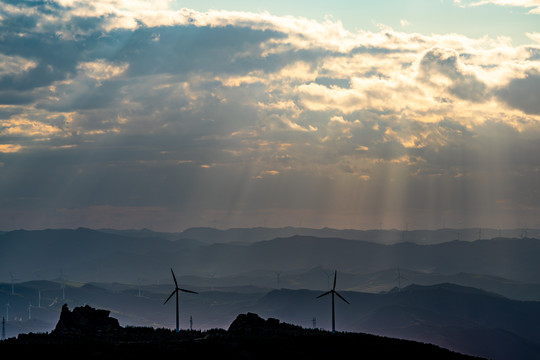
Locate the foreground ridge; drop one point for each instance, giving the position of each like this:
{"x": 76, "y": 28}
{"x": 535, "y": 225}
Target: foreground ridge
{"x": 88, "y": 333}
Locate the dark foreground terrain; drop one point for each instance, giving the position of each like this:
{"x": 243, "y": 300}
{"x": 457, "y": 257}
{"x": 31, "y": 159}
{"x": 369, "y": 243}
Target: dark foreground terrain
{"x": 89, "y": 333}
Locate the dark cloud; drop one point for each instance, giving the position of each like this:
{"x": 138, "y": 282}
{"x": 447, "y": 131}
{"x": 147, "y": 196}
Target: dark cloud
{"x": 329, "y": 81}
{"x": 522, "y": 93}
{"x": 444, "y": 62}
{"x": 184, "y": 49}
{"x": 534, "y": 53}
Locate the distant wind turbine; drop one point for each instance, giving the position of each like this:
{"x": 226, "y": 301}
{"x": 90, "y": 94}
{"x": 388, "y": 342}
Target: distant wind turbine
{"x": 278, "y": 274}
{"x": 63, "y": 284}
{"x": 399, "y": 277}
{"x": 328, "y": 274}
{"x": 333, "y": 291}
{"x": 175, "y": 291}
{"x": 13, "y": 283}
{"x": 139, "y": 285}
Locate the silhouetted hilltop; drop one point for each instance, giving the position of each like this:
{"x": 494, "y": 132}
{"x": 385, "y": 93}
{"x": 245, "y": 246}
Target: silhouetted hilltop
{"x": 252, "y": 324}
{"x": 89, "y": 333}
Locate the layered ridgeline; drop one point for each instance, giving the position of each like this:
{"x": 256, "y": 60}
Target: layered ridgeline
{"x": 87, "y": 255}
{"x": 478, "y": 297}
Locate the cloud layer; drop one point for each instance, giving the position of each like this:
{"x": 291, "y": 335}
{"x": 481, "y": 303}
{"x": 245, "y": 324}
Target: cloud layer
{"x": 123, "y": 114}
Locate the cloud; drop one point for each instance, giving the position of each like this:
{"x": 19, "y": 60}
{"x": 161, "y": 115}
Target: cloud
{"x": 9, "y": 148}
{"x": 534, "y": 36}
{"x": 404, "y": 23}
{"x": 15, "y": 65}
{"x": 101, "y": 70}
{"x": 534, "y": 5}
{"x": 441, "y": 68}
{"x": 521, "y": 93}
{"x": 27, "y": 127}
{"x": 129, "y": 107}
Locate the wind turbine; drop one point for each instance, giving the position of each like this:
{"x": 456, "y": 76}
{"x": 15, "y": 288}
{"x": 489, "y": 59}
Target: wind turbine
{"x": 328, "y": 274}
{"x": 13, "y": 283}
{"x": 63, "y": 284}
{"x": 278, "y": 274}
{"x": 139, "y": 285}
{"x": 333, "y": 291}
{"x": 399, "y": 277}
{"x": 175, "y": 291}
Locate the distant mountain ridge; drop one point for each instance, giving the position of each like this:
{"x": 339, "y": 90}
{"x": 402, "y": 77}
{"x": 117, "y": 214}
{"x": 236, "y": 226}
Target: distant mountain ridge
{"x": 392, "y": 236}
{"x": 89, "y": 255}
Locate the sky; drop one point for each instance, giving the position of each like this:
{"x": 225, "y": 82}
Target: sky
{"x": 166, "y": 115}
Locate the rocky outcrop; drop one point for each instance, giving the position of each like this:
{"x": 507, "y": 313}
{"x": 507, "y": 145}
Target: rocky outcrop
{"x": 85, "y": 322}
{"x": 251, "y": 323}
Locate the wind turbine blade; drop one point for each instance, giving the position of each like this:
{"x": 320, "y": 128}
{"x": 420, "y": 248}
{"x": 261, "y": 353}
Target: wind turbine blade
{"x": 188, "y": 291}
{"x": 174, "y": 278}
{"x": 326, "y": 293}
{"x": 170, "y": 296}
{"x": 335, "y": 277}
{"x": 342, "y": 298}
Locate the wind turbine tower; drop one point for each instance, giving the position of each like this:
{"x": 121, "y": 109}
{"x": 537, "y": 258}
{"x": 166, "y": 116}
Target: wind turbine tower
{"x": 333, "y": 292}
{"x": 175, "y": 292}
{"x": 12, "y": 283}
{"x": 278, "y": 274}
{"x": 328, "y": 274}
{"x": 63, "y": 284}
{"x": 139, "y": 286}
{"x": 399, "y": 277}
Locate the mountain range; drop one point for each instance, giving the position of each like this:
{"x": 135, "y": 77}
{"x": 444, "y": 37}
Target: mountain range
{"x": 88, "y": 255}
{"x": 380, "y": 236}
{"x": 474, "y": 296}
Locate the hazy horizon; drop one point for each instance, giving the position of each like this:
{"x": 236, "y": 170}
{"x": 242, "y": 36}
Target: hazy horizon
{"x": 523, "y": 230}
{"x": 174, "y": 114}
